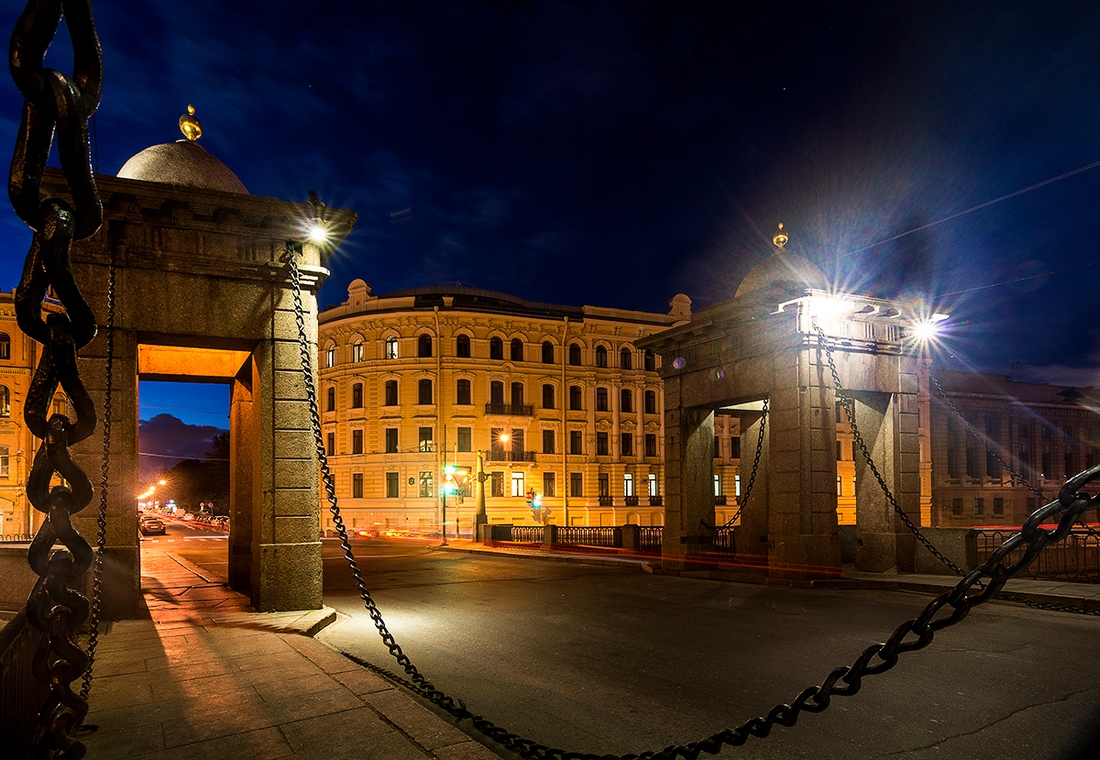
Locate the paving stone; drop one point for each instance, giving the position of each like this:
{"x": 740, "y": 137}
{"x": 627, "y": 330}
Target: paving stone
{"x": 362, "y": 681}
{"x": 358, "y": 734}
{"x": 428, "y": 729}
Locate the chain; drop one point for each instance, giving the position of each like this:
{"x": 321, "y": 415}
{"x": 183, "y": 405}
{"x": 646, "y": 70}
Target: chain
{"x": 755, "y": 467}
{"x": 54, "y": 103}
{"x": 849, "y": 406}
{"x": 104, "y": 471}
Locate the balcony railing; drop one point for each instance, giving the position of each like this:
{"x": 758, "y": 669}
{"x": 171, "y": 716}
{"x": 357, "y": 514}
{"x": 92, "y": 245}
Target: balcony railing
{"x": 524, "y": 410}
{"x": 720, "y": 500}
{"x": 497, "y": 455}
{"x": 656, "y": 501}
{"x": 631, "y": 501}
{"x": 607, "y": 501}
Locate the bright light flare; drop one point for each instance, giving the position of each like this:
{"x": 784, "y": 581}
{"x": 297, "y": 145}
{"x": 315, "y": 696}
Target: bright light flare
{"x": 317, "y": 233}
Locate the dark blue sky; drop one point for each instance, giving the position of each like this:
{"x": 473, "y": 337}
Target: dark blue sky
{"x": 617, "y": 153}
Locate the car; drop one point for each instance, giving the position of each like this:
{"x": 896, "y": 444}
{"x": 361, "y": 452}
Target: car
{"x": 152, "y": 527}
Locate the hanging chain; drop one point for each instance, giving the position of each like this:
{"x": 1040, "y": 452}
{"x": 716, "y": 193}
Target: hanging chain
{"x": 54, "y": 103}
{"x": 104, "y": 471}
{"x": 755, "y": 467}
{"x": 850, "y": 408}
{"x": 844, "y": 681}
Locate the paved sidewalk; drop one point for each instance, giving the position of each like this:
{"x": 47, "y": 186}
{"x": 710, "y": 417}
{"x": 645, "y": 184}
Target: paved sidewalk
{"x": 204, "y": 677}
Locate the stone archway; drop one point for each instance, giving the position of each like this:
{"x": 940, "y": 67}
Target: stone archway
{"x": 199, "y": 269}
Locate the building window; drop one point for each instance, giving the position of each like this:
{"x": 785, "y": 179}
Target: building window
{"x": 330, "y": 399}
{"x": 651, "y": 444}
{"x": 575, "y": 397}
{"x": 601, "y": 356}
{"x": 1044, "y": 432}
{"x": 549, "y": 484}
{"x": 517, "y": 350}
{"x": 330, "y": 444}
{"x": 391, "y": 348}
{"x": 547, "y": 441}
{"x": 628, "y": 484}
{"x": 603, "y": 484}
{"x": 1047, "y": 471}
{"x": 393, "y": 485}
{"x": 4, "y": 464}
{"x": 737, "y": 486}
{"x": 357, "y": 351}
{"x": 575, "y": 354}
{"x": 576, "y": 484}
{"x": 496, "y": 348}
{"x": 651, "y": 482}
{"x": 5, "y": 346}
{"x": 462, "y": 392}
{"x": 330, "y": 356}
{"x": 391, "y": 393}
{"x": 547, "y": 352}
{"x": 518, "y": 488}
{"x": 956, "y": 506}
{"x": 357, "y": 485}
{"x": 496, "y": 484}
{"x": 1068, "y": 469}
{"x": 626, "y": 400}
{"x": 601, "y": 399}
{"x": 735, "y": 447}
{"x": 576, "y": 438}
{"x": 650, "y": 361}
{"x": 356, "y": 441}
{"x": 626, "y": 359}
{"x": 650, "y": 402}
{"x": 517, "y": 396}
{"x": 979, "y": 505}
{"x": 601, "y": 444}
{"x": 425, "y": 437}
{"x": 391, "y": 440}
{"x": 998, "y": 505}
{"x": 626, "y": 442}
{"x": 465, "y": 439}
{"x": 424, "y": 391}
{"x": 424, "y": 346}
{"x": 357, "y": 396}
{"x": 839, "y": 486}
{"x": 462, "y": 346}
{"x": 496, "y": 393}
{"x": 717, "y": 449}
{"x": 547, "y": 396}
{"x": 717, "y": 485}
{"x": 427, "y": 489}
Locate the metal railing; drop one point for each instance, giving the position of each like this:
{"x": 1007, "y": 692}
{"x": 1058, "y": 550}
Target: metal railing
{"x": 499, "y": 455}
{"x": 522, "y": 410}
{"x": 650, "y": 538}
{"x": 21, "y": 694}
{"x": 607, "y": 501}
{"x": 602, "y": 535}
{"x": 1075, "y": 558}
{"x": 15, "y": 538}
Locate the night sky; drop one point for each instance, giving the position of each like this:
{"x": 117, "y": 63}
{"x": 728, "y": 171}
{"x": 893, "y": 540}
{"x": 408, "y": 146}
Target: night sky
{"x": 617, "y": 153}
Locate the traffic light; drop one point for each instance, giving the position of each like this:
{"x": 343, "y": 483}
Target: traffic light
{"x": 455, "y": 479}
{"x": 531, "y": 497}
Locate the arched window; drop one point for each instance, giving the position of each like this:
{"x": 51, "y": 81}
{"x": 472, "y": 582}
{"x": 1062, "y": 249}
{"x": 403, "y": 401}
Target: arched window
{"x": 330, "y": 356}
{"x": 357, "y": 396}
{"x": 517, "y": 350}
{"x": 650, "y": 361}
{"x": 5, "y": 346}
{"x": 4, "y": 472}
{"x": 424, "y": 346}
{"x": 330, "y": 399}
{"x": 651, "y": 402}
{"x": 357, "y": 351}
{"x": 391, "y": 348}
{"x": 547, "y": 352}
{"x": 462, "y": 346}
{"x": 547, "y": 396}
{"x": 575, "y": 354}
{"x": 626, "y": 400}
{"x": 575, "y": 397}
{"x": 496, "y": 348}
{"x": 391, "y": 393}
{"x": 496, "y": 393}
{"x": 626, "y": 360}
{"x": 601, "y": 356}
{"x": 424, "y": 391}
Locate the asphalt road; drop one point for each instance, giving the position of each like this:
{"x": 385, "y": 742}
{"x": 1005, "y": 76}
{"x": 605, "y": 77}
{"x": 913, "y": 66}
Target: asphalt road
{"x": 613, "y": 660}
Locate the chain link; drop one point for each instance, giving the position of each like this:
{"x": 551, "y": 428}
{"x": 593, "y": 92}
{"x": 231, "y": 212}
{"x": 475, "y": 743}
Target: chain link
{"x": 56, "y": 104}
{"x": 850, "y": 408}
{"x": 755, "y": 467}
{"x": 844, "y": 681}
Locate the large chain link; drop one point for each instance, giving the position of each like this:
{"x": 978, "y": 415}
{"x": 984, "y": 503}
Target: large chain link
{"x": 56, "y": 103}
{"x": 850, "y": 407}
{"x": 844, "y": 681}
{"x": 755, "y": 467}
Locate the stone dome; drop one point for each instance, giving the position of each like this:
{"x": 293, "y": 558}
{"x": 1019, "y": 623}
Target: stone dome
{"x": 783, "y": 269}
{"x": 183, "y": 162}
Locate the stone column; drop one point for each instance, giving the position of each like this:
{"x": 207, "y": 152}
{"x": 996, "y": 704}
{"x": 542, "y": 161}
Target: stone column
{"x": 752, "y": 532}
{"x": 689, "y": 483}
{"x": 243, "y": 451}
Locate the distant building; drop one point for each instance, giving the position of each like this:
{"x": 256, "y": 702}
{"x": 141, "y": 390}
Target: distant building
{"x": 556, "y": 398}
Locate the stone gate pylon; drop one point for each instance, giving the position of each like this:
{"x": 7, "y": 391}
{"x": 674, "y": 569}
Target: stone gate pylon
{"x": 764, "y": 345}
{"x": 202, "y": 293}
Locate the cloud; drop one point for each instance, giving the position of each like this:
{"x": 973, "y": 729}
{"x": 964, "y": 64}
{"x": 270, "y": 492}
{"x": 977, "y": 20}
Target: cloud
{"x": 165, "y": 440}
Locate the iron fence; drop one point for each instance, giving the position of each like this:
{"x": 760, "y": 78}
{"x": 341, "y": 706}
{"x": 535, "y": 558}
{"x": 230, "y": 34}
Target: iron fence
{"x": 21, "y": 694}
{"x": 606, "y": 535}
{"x": 15, "y": 538}
{"x": 723, "y": 540}
{"x": 650, "y": 538}
{"x": 1075, "y": 558}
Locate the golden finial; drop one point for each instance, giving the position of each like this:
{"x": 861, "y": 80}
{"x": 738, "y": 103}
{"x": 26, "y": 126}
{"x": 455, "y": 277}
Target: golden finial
{"x": 190, "y": 124}
{"x": 780, "y": 238}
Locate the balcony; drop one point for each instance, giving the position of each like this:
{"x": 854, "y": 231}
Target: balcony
{"x": 499, "y": 455}
{"x": 656, "y": 501}
{"x": 607, "y": 501}
{"x": 631, "y": 501}
{"x": 720, "y": 501}
{"x": 517, "y": 410}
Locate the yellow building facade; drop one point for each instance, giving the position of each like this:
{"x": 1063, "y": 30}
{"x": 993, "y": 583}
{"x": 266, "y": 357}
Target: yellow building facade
{"x": 556, "y": 399}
